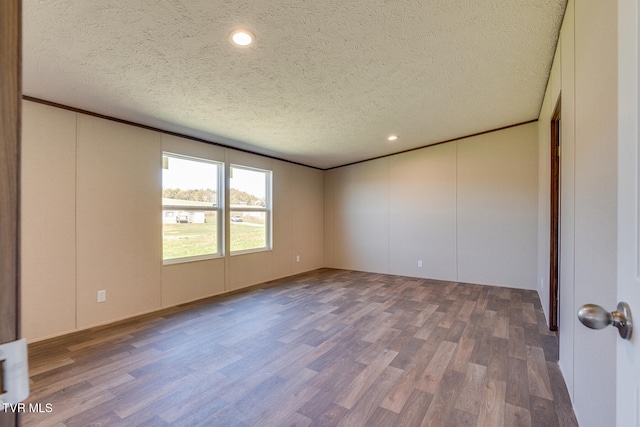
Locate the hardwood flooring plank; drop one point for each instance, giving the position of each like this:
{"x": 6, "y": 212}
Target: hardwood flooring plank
{"x": 377, "y": 326}
{"x": 311, "y": 335}
{"x": 151, "y": 422}
{"x": 462, "y": 355}
{"x": 529, "y": 313}
{"x": 58, "y": 379}
{"x": 412, "y": 349}
{"x": 50, "y": 365}
{"x": 133, "y": 401}
{"x": 502, "y": 328}
{"x": 415, "y": 409}
{"x": 424, "y": 314}
{"x": 91, "y": 419}
{"x": 301, "y": 362}
{"x": 492, "y": 404}
{"x": 383, "y": 418}
{"x": 517, "y": 347}
{"x": 469, "y": 398}
{"x": 489, "y": 320}
{"x": 330, "y": 417}
{"x": 482, "y": 348}
{"x": 198, "y": 404}
{"x": 517, "y": 390}
{"x": 481, "y": 302}
{"x": 397, "y": 397}
{"x": 367, "y": 377}
{"x": 348, "y": 347}
{"x": 550, "y": 347}
{"x": 416, "y": 364}
{"x": 65, "y": 407}
{"x": 515, "y": 416}
{"x": 455, "y": 331}
{"x": 368, "y": 402}
{"x": 561, "y": 398}
{"x": 283, "y": 403}
{"x": 323, "y": 348}
{"x": 297, "y": 420}
{"x": 331, "y": 382}
{"x": 460, "y": 418}
{"x": 441, "y": 406}
{"x": 497, "y": 366}
{"x": 539, "y": 383}
{"x": 543, "y": 412}
{"x": 531, "y": 336}
{"x": 321, "y": 314}
{"x": 223, "y": 417}
{"x": 426, "y": 330}
{"x": 465, "y": 311}
{"x": 431, "y": 378}
{"x": 378, "y": 347}
{"x": 451, "y": 314}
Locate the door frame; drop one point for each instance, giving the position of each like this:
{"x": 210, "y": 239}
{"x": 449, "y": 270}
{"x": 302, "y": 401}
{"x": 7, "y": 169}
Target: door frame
{"x": 554, "y": 217}
{"x": 627, "y": 359}
{"x": 10, "y": 105}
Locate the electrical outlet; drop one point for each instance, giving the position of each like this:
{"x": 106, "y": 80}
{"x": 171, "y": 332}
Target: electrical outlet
{"x": 102, "y": 295}
{"x": 419, "y": 263}
{"x": 297, "y": 258}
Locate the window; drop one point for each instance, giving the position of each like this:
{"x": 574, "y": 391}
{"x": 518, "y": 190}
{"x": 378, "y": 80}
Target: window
{"x": 249, "y": 209}
{"x": 191, "y": 208}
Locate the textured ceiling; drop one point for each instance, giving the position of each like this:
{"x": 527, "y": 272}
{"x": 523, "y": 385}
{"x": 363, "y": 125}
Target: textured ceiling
{"x": 325, "y": 82}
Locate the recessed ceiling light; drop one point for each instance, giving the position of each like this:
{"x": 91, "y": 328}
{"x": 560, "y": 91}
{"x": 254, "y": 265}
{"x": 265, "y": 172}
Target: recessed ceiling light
{"x": 241, "y": 38}
{"x": 392, "y": 137}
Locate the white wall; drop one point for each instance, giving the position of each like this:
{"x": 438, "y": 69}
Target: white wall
{"x": 360, "y": 216}
{"x": 467, "y": 209}
{"x": 585, "y": 75}
{"x": 497, "y": 208}
{"x": 91, "y": 220}
{"x": 422, "y": 208}
{"x": 48, "y": 273}
{"x": 118, "y": 243}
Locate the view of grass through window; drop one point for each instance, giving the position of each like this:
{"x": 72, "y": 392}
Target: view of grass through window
{"x": 183, "y": 240}
{"x": 248, "y": 232}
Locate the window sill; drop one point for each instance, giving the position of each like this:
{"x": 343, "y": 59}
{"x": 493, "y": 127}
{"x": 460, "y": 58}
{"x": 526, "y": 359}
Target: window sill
{"x": 184, "y": 260}
{"x": 250, "y": 251}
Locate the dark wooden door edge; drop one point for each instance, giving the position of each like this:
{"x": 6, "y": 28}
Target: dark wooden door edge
{"x": 554, "y": 220}
{"x": 10, "y": 99}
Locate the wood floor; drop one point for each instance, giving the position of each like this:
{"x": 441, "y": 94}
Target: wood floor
{"x": 325, "y": 348}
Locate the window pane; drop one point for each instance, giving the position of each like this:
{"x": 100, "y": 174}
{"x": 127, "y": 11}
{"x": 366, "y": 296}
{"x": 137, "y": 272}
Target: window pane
{"x": 187, "y": 182}
{"x": 189, "y": 233}
{"x": 248, "y": 230}
{"x": 188, "y": 187}
{"x": 248, "y": 188}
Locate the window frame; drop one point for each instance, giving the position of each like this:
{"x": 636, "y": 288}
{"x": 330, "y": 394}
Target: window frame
{"x": 267, "y": 209}
{"x": 219, "y": 209}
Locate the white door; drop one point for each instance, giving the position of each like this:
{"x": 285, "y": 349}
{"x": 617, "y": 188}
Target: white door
{"x": 628, "y": 352}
